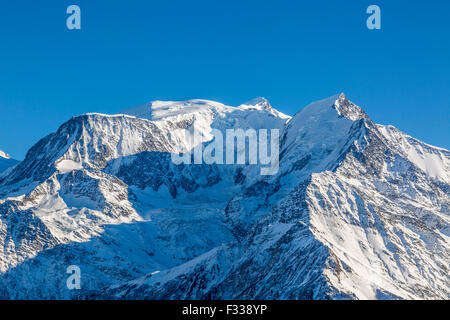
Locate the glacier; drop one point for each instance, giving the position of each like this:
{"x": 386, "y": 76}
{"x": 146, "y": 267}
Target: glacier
{"x": 358, "y": 210}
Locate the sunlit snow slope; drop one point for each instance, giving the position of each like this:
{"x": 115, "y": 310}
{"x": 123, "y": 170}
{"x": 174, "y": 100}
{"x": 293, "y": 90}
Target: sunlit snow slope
{"x": 356, "y": 211}
{"x": 6, "y": 162}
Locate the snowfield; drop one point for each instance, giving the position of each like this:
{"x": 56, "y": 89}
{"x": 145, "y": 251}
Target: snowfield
{"x": 357, "y": 210}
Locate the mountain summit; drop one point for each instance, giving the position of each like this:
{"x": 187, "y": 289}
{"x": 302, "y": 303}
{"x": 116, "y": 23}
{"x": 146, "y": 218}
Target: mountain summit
{"x": 163, "y": 110}
{"x": 357, "y": 210}
{"x": 261, "y": 103}
{"x": 4, "y": 155}
{"x": 6, "y": 162}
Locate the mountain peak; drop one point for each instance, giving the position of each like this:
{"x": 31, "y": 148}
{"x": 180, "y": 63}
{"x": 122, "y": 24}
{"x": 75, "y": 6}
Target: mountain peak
{"x": 4, "y": 155}
{"x": 261, "y": 103}
{"x": 103, "y": 192}
{"x": 159, "y": 110}
{"x": 6, "y": 162}
{"x": 258, "y": 103}
{"x": 348, "y": 109}
{"x": 337, "y": 103}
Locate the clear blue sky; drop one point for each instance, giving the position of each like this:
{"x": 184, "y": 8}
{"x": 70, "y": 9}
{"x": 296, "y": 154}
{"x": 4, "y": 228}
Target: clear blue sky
{"x": 291, "y": 52}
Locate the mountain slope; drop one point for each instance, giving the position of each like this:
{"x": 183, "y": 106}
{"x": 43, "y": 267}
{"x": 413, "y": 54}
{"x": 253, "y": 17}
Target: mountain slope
{"x": 361, "y": 224}
{"x": 6, "y": 162}
{"x": 71, "y": 186}
{"x": 356, "y": 210}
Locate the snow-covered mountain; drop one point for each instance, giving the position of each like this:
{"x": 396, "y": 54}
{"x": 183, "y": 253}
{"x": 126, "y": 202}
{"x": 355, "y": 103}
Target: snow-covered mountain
{"x": 357, "y": 210}
{"x": 6, "y": 162}
{"x": 4, "y": 155}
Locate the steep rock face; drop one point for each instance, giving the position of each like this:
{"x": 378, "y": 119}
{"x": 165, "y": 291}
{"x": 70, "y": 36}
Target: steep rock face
{"x": 356, "y": 210}
{"x": 433, "y": 161}
{"x": 89, "y": 141}
{"x": 155, "y": 169}
{"x": 365, "y": 222}
{"x": 102, "y": 193}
